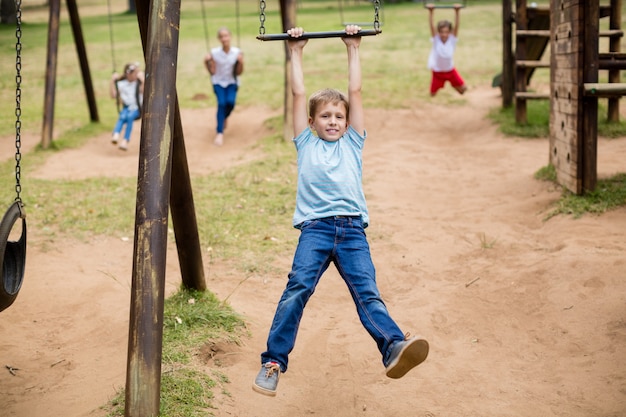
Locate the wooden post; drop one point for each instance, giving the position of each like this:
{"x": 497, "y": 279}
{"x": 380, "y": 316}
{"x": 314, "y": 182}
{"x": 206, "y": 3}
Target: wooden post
{"x": 184, "y": 213}
{"x": 143, "y": 378}
{"x": 591, "y": 24}
{"x": 51, "y": 72}
{"x": 508, "y": 60}
{"x": 288, "y": 17}
{"x": 566, "y": 104}
{"x": 615, "y": 23}
{"x": 521, "y": 21}
{"x": 72, "y": 9}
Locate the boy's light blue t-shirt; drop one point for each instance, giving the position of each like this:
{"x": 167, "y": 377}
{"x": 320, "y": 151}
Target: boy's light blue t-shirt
{"x": 330, "y": 177}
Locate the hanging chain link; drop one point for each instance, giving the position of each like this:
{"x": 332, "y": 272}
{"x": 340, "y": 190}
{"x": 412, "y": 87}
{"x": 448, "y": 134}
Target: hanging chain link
{"x": 376, "y": 18}
{"x": 18, "y": 99}
{"x": 262, "y": 17}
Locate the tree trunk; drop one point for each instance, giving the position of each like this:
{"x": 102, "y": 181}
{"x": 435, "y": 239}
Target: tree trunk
{"x": 7, "y": 12}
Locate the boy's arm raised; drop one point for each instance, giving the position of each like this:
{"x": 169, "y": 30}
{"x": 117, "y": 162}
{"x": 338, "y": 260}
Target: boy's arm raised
{"x": 356, "y": 117}
{"x": 296, "y": 46}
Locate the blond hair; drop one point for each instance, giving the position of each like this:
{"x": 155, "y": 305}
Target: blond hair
{"x": 325, "y": 96}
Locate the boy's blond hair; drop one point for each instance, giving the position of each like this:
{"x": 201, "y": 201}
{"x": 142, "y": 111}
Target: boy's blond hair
{"x": 327, "y": 95}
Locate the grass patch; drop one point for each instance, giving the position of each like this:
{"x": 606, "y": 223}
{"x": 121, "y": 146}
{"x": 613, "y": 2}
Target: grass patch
{"x": 191, "y": 320}
{"x": 609, "y": 194}
{"x": 537, "y": 126}
{"x": 547, "y": 173}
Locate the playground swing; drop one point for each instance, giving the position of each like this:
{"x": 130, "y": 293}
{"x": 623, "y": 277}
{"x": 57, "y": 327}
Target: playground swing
{"x": 206, "y": 29}
{"x": 317, "y": 35}
{"x": 206, "y": 25}
{"x": 444, "y": 4}
{"x": 344, "y": 23}
{"x": 114, "y": 65}
{"x": 13, "y": 253}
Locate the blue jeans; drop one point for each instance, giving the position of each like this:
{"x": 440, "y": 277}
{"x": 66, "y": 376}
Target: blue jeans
{"x": 340, "y": 240}
{"x": 127, "y": 117}
{"x": 226, "y": 97}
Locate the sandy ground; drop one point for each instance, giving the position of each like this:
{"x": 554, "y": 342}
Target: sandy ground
{"x": 525, "y": 317}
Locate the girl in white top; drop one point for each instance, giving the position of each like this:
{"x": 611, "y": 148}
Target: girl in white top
{"x": 127, "y": 89}
{"x": 225, "y": 64}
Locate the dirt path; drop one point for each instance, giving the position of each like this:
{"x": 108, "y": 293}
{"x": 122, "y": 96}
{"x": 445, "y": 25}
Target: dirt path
{"x": 524, "y": 317}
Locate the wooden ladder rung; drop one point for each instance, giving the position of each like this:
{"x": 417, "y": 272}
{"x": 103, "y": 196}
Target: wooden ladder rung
{"x": 605, "y": 89}
{"x": 613, "y": 33}
{"x": 537, "y": 33}
{"x": 532, "y": 64}
{"x": 617, "y": 56}
{"x": 525, "y": 95}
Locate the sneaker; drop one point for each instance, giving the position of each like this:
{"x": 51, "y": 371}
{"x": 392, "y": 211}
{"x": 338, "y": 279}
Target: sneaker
{"x": 406, "y": 355}
{"x": 219, "y": 139}
{"x": 124, "y": 145}
{"x": 267, "y": 379}
{"x": 115, "y": 138}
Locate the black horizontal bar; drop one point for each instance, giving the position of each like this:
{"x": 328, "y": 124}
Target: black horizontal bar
{"x": 318, "y": 35}
{"x": 444, "y": 6}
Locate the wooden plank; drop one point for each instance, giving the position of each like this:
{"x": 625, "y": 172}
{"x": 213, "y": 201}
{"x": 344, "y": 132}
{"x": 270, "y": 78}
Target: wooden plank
{"x": 564, "y": 106}
{"x": 525, "y": 95}
{"x": 566, "y": 91}
{"x": 567, "y": 75}
{"x": 611, "y": 33}
{"x": 615, "y": 56}
{"x": 533, "y": 33}
{"x": 567, "y": 14}
{"x": 604, "y": 89}
{"x": 567, "y": 62}
{"x": 532, "y": 64}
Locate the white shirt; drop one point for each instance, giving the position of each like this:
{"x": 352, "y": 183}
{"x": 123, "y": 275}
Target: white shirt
{"x": 440, "y": 58}
{"x": 224, "y": 66}
{"x": 127, "y": 91}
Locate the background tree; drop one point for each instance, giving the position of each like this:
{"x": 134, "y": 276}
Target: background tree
{"x": 7, "y": 11}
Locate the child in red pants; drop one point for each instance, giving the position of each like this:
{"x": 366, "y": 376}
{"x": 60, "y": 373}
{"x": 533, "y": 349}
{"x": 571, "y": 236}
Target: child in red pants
{"x": 440, "y": 61}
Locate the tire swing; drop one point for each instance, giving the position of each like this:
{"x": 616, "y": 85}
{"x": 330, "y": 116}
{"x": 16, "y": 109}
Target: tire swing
{"x": 13, "y": 253}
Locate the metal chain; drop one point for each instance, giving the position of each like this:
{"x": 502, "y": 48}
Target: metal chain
{"x": 376, "y": 18}
{"x": 262, "y": 17}
{"x": 18, "y": 98}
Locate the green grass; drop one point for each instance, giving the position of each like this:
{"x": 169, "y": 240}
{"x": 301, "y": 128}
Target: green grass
{"x": 609, "y": 194}
{"x": 191, "y": 320}
{"x": 538, "y": 125}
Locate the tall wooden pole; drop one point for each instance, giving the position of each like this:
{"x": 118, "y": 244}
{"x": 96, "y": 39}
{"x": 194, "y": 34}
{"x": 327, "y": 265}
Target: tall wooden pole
{"x": 288, "y": 17}
{"x": 72, "y": 9}
{"x": 615, "y": 23}
{"x": 521, "y": 23}
{"x": 184, "y": 213}
{"x": 143, "y": 378}
{"x": 51, "y": 72}
{"x": 182, "y": 205}
{"x": 591, "y": 25}
{"x": 508, "y": 66}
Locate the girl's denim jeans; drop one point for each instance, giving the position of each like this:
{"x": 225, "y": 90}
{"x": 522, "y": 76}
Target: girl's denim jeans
{"x": 127, "y": 117}
{"x": 226, "y": 97}
{"x": 340, "y": 240}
